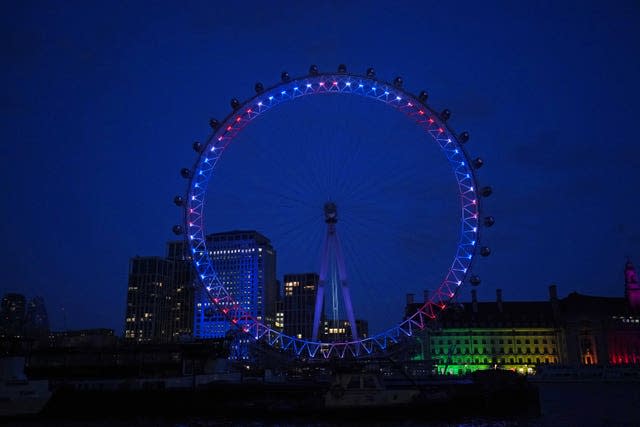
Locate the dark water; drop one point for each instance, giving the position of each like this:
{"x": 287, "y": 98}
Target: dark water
{"x": 562, "y": 405}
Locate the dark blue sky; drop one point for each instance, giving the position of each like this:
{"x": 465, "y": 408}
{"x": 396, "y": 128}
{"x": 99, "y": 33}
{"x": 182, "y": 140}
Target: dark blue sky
{"x": 100, "y": 104}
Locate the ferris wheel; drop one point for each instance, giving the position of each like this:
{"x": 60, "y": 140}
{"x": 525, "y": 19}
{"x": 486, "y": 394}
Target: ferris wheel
{"x": 431, "y": 123}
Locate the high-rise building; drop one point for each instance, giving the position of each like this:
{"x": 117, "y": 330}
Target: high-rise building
{"x": 149, "y": 279}
{"x": 12, "y": 315}
{"x": 178, "y": 318}
{"x": 160, "y": 297}
{"x": 299, "y": 302}
{"x": 245, "y": 264}
{"x": 36, "y": 323}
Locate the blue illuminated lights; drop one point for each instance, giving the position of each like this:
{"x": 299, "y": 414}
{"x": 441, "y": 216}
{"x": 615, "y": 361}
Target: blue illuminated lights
{"x": 422, "y": 116}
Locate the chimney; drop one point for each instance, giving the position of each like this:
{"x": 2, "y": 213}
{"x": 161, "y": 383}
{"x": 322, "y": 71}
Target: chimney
{"x": 425, "y": 293}
{"x": 410, "y": 299}
{"x": 553, "y": 297}
{"x": 499, "y": 299}
{"x": 474, "y": 300}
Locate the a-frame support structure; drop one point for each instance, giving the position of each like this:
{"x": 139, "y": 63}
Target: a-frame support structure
{"x": 332, "y": 251}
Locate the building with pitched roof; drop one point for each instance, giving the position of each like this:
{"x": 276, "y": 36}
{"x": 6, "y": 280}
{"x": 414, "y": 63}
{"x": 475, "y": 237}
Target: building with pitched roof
{"x": 523, "y": 335}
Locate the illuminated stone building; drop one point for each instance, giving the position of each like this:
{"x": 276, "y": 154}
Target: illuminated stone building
{"x": 603, "y": 330}
{"x": 481, "y": 335}
{"x": 631, "y": 287}
{"x": 576, "y": 330}
{"x": 623, "y": 338}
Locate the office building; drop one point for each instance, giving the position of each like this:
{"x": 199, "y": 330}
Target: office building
{"x": 180, "y": 298}
{"x": 149, "y": 279}
{"x": 299, "y": 302}
{"x": 245, "y": 263}
{"x": 12, "y": 315}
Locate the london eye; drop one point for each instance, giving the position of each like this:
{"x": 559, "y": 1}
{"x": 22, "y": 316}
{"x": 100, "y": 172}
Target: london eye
{"x": 432, "y": 125}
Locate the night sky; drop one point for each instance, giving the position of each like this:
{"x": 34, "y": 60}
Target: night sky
{"x": 101, "y": 102}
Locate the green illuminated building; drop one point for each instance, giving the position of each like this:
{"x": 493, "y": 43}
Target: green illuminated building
{"x": 575, "y": 331}
{"x": 482, "y": 335}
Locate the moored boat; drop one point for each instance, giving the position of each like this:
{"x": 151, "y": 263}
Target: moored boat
{"x": 19, "y": 395}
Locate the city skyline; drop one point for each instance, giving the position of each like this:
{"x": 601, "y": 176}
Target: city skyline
{"x": 101, "y": 110}
{"x": 293, "y": 307}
